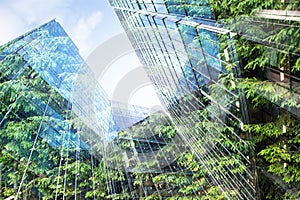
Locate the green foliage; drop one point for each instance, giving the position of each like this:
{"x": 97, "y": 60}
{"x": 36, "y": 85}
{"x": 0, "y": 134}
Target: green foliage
{"x": 24, "y": 96}
{"x": 228, "y": 9}
{"x": 273, "y": 144}
{"x": 273, "y": 104}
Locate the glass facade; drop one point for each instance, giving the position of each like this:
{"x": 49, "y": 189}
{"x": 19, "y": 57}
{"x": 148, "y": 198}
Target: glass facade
{"x": 146, "y": 150}
{"x": 227, "y": 74}
{"x": 125, "y": 115}
{"x": 47, "y": 55}
{"x": 56, "y": 119}
{"x": 229, "y": 80}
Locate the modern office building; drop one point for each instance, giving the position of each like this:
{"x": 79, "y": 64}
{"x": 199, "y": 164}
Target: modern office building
{"x": 60, "y": 134}
{"x": 228, "y": 74}
{"x": 48, "y": 55}
{"x": 125, "y": 115}
{"x": 54, "y": 116}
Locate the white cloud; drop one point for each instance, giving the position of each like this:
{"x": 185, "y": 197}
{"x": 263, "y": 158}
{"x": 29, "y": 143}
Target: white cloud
{"x": 35, "y": 11}
{"x": 11, "y": 26}
{"x": 84, "y": 29}
{"x": 19, "y": 16}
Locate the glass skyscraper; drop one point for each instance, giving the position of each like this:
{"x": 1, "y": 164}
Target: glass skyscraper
{"x": 227, "y": 73}
{"x": 54, "y": 115}
{"x": 42, "y": 115}
{"x": 229, "y": 78}
{"x": 48, "y": 55}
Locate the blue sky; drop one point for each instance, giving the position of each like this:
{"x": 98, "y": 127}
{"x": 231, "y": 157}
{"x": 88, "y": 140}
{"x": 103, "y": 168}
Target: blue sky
{"x": 88, "y": 22}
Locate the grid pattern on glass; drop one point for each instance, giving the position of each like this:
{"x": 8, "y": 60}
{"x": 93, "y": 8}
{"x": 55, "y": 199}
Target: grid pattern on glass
{"x": 43, "y": 119}
{"x": 192, "y": 8}
{"x": 146, "y": 150}
{"x": 61, "y": 142}
{"x": 198, "y": 65}
{"x": 126, "y": 115}
{"x": 233, "y": 81}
